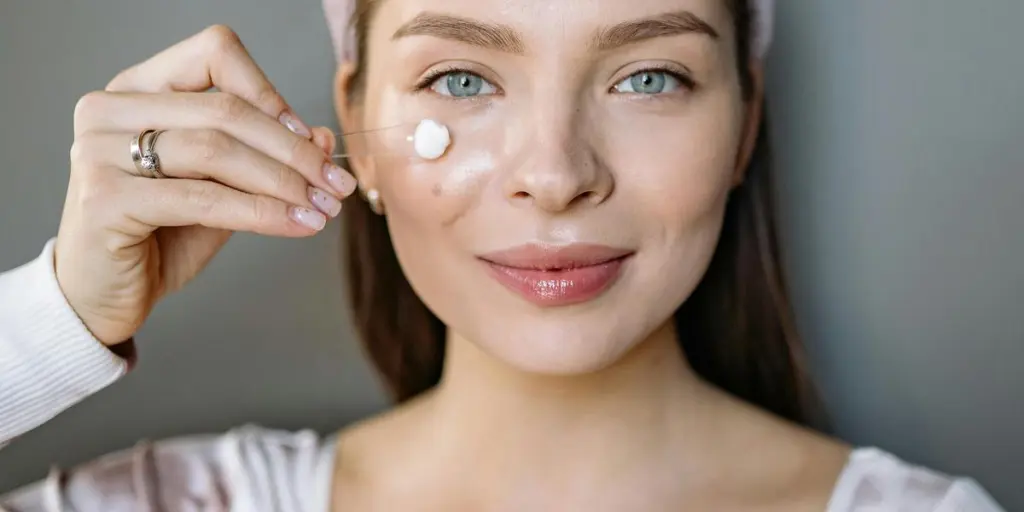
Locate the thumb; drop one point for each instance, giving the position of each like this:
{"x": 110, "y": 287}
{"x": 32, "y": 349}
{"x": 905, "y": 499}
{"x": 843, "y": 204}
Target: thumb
{"x": 324, "y": 138}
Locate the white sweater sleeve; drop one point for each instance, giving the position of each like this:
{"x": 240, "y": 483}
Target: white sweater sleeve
{"x": 49, "y": 361}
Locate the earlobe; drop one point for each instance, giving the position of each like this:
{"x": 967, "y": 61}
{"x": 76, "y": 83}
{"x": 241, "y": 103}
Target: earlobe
{"x": 752, "y": 123}
{"x": 350, "y": 120}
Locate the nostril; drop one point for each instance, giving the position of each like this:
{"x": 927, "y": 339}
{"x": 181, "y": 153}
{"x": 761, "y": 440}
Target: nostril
{"x": 588, "y": 196}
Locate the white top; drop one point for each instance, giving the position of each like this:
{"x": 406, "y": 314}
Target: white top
{"x": 49, "y": 362}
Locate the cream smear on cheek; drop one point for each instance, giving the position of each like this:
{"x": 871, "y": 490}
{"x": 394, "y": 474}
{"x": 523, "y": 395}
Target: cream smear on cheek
{"x": 453, "y": 154}
{"x": 470, "y": 165}
{"x": 467, "y": 175}
{"x": 463, "y": 174}
{"x": 466, "y": 165}
{"x": 449, "y": 167}
{"x": 461, "y": 157}
{"x": 431, "y": 139}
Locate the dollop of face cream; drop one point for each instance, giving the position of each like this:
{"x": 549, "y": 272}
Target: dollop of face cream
{"x": 431, "y": 139}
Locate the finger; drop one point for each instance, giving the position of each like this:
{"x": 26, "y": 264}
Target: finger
{"x": 183, "y": 202}
{"x": 135, "y": 112}
{"x": 211, "y": 154}
{"x": 324, "y": 139}
{"x": 214, "y": 57}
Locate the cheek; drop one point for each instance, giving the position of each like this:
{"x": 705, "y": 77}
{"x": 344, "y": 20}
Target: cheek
{"x": 679, "y": 170}
{"x": 415, "y": 218}
{"x": 444, "y": 189}
{"x": 422, "y": 201}
{"x": 434, "y": 194}
{"x": 676, "y": 175}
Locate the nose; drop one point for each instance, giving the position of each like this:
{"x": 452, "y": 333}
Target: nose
{"x": 564, "y": 170}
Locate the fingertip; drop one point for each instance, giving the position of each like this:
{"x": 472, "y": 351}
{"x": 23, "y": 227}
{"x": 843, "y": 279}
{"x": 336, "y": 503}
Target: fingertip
{"x": 307, "y": 218}
{"x": 293, "y": 123}
{"x": 323, "y": 137}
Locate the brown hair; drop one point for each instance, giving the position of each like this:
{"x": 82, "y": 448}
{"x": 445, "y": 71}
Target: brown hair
{"x": 736, "y": 329}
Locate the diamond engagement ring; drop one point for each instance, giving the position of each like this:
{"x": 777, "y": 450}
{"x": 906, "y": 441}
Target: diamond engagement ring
{"x": 143, "y": 152}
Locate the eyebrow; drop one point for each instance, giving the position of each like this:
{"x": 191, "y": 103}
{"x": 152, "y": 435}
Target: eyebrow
{"x": 663, "y": 25}
{"x": 486, "y": 35}
{"x": 503, "y": 38}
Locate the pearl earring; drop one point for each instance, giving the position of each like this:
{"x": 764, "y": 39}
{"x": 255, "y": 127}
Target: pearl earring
{"x": 373, "y": 199}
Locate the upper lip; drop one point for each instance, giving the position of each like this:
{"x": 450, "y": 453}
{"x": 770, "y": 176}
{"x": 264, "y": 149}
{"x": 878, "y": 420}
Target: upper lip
{"x": 549, "y": 257}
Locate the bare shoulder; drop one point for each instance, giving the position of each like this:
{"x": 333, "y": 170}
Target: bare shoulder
{"x": 780, "y": 465}
{"x": 213, "y": 472}
{"x": 795, "y": 468}
{"x": 380, "y": 456}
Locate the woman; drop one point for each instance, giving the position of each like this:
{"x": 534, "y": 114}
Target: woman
{"x": 623, "y": 342}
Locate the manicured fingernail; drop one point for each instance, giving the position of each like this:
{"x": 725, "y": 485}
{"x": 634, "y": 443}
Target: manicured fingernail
{"x": 324, "y": 201}
{"x": 309, "y": 218}
{"x": 341, "y": 181}
{"x": 293, "y": 123}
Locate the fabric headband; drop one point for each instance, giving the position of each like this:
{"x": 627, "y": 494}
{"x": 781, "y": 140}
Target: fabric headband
{"x": 343, "y": 32}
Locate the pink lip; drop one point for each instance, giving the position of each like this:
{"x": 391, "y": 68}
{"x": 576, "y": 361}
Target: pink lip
{"x": 557, "y": 276}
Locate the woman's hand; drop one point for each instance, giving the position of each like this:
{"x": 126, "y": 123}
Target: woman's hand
{"x": 234, "y": 160}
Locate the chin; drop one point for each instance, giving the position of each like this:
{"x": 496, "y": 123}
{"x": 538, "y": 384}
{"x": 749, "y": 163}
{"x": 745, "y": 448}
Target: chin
{"x": 564, "y": 341}
{"x": 559, "y": 349}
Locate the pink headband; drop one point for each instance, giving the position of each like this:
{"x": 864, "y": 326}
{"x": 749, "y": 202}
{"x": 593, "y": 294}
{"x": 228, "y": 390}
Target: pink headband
{"x": 343, "y": 33}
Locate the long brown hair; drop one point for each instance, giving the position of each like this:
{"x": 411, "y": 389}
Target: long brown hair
{"x": 736, "y": 329}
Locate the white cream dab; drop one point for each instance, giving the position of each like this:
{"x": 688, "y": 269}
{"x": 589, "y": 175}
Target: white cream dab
{"x": 431, "y": 139}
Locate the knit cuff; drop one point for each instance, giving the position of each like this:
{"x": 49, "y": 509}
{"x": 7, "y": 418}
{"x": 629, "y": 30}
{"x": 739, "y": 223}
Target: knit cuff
{"x": 49, "y": 361}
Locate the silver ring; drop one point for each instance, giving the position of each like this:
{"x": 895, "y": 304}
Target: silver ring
{"x": 147, "y": 162}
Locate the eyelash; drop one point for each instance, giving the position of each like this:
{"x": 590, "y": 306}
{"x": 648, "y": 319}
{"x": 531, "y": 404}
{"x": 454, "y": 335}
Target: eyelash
{"x": 428, "y": 81}
{"x": 684, "y": 78}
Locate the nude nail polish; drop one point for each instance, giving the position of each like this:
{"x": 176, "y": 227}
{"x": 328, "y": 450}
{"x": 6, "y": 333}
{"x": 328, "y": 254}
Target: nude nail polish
{"x": 309, "y": 218}
{"x": 340, "y": 180}
{"x": 324, "y": 202}
{"x": 293, "y": 123}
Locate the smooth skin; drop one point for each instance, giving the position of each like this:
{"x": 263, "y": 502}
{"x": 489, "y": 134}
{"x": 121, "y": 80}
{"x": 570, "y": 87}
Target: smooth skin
{"x": 592, "y": 408}
{"x": 589, "y": 407}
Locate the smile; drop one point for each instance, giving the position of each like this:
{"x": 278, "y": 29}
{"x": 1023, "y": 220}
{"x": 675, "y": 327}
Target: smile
{"x": 557, "y": 276}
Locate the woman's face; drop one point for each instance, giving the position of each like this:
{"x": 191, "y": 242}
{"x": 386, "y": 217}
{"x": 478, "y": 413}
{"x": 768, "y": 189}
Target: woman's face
{"x": 594, "y": 146}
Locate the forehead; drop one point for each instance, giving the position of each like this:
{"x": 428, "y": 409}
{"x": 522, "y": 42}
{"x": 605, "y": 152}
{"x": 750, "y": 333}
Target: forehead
{"x": 538, "y": 21}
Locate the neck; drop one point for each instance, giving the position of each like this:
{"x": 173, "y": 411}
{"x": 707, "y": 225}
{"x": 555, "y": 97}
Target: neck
{"x": 579, "y": 429}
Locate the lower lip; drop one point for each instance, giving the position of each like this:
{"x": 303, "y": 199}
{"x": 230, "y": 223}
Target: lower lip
{"x": 559, "y": 287}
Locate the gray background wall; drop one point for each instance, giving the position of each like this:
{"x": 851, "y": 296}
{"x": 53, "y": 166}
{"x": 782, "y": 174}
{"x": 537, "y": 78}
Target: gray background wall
{"x": 900, "y": 131}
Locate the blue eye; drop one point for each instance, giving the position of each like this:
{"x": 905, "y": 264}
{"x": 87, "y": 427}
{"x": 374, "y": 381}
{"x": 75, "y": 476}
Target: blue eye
{"x": 462, "y": 84}
{"x": 649, "y": 82}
